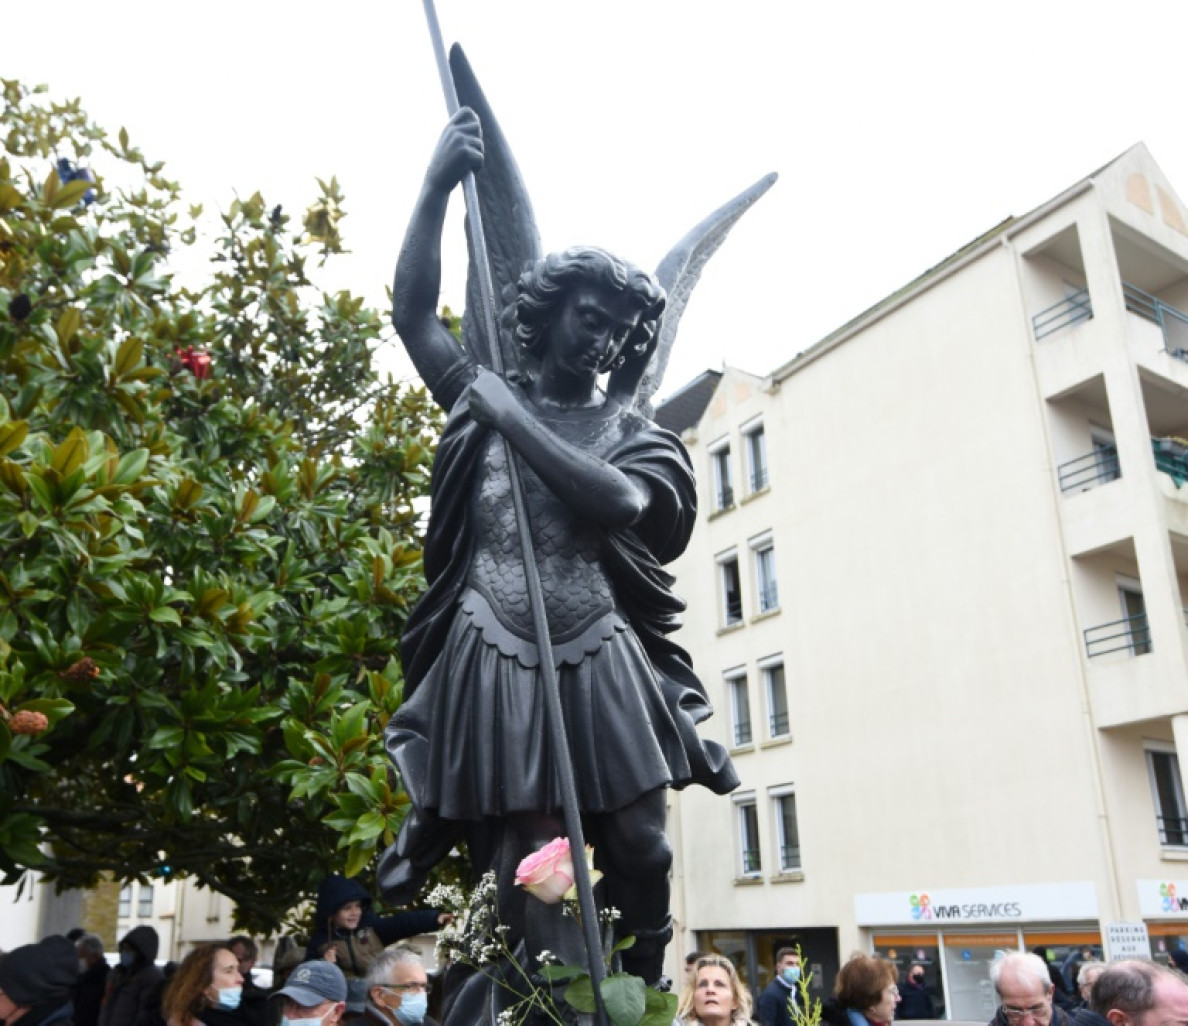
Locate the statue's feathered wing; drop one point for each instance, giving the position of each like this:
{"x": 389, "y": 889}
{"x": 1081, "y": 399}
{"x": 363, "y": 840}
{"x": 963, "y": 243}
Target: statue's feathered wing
{"x": 509, "y": 226}
{"x": 513, "y": 241}
{"x": 678, "y": 273}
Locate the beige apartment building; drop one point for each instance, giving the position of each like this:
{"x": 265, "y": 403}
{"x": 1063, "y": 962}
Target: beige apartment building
{"x": 937, "y": 592}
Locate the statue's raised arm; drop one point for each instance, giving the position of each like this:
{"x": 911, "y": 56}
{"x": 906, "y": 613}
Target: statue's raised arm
{"x": 443, "y": 365}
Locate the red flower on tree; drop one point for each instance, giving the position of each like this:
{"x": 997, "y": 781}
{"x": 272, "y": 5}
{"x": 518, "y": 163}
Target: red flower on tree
{"x": 196, "y": 361}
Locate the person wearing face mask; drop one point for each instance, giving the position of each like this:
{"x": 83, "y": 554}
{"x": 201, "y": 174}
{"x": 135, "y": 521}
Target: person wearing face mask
{"x": 315, "y": 995}
{"x": 206, "y": 990}
{"x": 92, "y": 980}
{"x": 134, "y": 986}
{"x": 914, "y": 1002}
{"x": 773, "y": 1008}
{"x": 398, "y": 990}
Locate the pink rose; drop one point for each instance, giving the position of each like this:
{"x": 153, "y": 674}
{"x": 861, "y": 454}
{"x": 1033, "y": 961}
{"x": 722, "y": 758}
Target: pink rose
{"x": 548, "y": 874}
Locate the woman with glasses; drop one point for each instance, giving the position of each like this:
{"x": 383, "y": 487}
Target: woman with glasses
{"x": 714, "y": 995}
{"x": 865, "y": 993}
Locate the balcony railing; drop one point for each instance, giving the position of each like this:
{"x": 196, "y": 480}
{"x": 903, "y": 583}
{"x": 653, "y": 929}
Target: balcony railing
{"x": 725, "y": 497}
{"x": 742, "y": 733}
{"x": 1132, "y": 633}
{"x": 1094, "y": 468}
{"x": 751, "y": 861}
{"x": 1171, "y": 457}
{"x": 1070, "y": 310}
{"x": 1173, "y": 830}
{"x": 790, "y": 856}
{"x": 733, "y": 609}
{"x": 778, "y": 722}
{"x": 758, "y": 479}
{"x": 769, "y": 598}
{"x": 1172, "y": 322}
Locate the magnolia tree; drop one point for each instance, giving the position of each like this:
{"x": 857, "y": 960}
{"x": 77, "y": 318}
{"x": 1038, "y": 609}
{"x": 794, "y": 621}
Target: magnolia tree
{"x": 208, "y": 535}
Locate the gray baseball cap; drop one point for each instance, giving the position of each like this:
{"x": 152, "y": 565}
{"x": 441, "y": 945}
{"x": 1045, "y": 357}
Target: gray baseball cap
{"x": 311, "y": 983}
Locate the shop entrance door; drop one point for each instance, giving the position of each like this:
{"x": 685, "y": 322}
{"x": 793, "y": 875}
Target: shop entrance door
{"x": 967, "y": 971}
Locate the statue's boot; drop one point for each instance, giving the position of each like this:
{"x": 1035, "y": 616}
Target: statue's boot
{"x": 424, "y": 840}
{"x": 645, "y": 958}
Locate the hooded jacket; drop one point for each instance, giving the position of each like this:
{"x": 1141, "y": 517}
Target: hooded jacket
{"x": 358, "y": 947}
{"x": 134, "y": 992}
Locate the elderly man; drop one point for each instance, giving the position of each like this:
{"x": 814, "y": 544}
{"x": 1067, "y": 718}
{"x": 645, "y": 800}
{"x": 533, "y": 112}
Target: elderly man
{"x": 398, "y": 990}
{"x": 315, "y": 994}
{"x": 1136, "y": 993}
{"x": 1025, "y": 992}
{"x": 91, "y": 984}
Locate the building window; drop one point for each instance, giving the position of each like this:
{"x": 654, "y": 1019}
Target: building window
{"x": 750, "y": 857}
{"x": 787, "y": 829}
{"x": 767, "y": 594}
{"x": 731, "y": 589}
{"x": 125, "y": 909}
{"x": 144, "y": 908}
{"x": 776, "y": 690}
{"x": 1167, "y": 792}
{"x": 1105, "y": 452}
{"x": 722, "y": 477}
{"x": 740, "y": 709}
{"x": 1134, "y": 613}
{"x": 755, "y": 443}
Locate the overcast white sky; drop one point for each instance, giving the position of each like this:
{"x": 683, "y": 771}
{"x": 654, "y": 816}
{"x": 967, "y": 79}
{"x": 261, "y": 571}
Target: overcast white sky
{"x": 900, "y": 130}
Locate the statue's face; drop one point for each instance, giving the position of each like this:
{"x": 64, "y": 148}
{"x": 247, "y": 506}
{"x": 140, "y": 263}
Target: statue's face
{"x": 590, "y": 330}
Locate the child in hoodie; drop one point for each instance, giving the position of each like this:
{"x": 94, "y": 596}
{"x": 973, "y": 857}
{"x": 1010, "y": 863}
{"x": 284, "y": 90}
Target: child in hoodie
{"x": 350, "y": 934}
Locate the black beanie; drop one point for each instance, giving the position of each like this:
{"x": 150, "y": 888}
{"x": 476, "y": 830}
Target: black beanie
{"x": 39, "y": 972}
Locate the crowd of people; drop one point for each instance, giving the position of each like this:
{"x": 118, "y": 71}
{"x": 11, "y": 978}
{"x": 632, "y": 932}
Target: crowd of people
{"x": 349, "y": 961}
{"x": 352, "y": 975}
{"x": 869, "y": 992}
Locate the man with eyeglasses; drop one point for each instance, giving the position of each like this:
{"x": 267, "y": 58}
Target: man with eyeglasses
{"x": 398, "y": 990}
{"x": 1024, "y": 989}
{"x": 1136, "y": 993}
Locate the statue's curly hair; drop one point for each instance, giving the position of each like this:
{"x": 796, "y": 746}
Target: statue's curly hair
{"x": 543, "y": 287}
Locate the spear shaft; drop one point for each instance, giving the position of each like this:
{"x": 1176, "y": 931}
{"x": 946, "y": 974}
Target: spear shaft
{"x": 563, "y": 762}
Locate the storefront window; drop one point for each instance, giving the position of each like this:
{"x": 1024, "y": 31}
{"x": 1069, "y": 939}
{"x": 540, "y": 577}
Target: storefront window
{"x": 906, "y": 950}
{"x": 1067, "y": 949}
{"x": 967, "y": 959}
{"x": 1165, "y": 938}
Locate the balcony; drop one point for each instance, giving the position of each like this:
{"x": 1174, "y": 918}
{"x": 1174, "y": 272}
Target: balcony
{"x": 1173, "y": 831}
{"x": 778, "y": 724}
{"x": 789, "y": 857}
{"x": 725, "y": 497}
{"x": 742, "y": 733}
{"x": 758, "y": 479}
{"x": 1172, "y": 322}
{"x": 1171, "y": 458}
{"x": 751, "y": 861}
{"x": 1133, "y": 633}
{"x": 1071, "y": 310}
{"x": 1097, "y": 467}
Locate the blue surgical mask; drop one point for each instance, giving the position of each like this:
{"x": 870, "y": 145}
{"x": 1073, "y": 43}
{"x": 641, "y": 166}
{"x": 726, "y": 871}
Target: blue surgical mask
{"x": 229, "y": 997}
{"x": 312, "y": 1021}
{"x": 791, "y": 973}
{"x": 127, "y": 958}
{"x": 412, "y": 1008}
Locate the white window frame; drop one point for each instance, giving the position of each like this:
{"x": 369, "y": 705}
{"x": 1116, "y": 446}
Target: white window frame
{"x": 721, "y": 474}
{"x": 766, "y": 669}
{"x": 1180, "y": 832}
{"x": 758, "y": 471}
{"x": 723, "y": 560}
{"x": 144, "y": 901}
{"x": 742, "y": 730}
{"x": 767, "y": 591}
{"x": 747, "y": 848}
{"x": 777, "y": 797}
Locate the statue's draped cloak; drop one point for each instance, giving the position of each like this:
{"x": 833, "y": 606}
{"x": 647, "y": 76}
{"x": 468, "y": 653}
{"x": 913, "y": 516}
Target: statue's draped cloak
{"x": 471, "y": 741}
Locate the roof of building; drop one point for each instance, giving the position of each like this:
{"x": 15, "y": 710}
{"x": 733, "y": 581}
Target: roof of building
{"x": 683, "y": 409}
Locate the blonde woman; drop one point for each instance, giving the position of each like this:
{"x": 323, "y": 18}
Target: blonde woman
{"x": 714, "y": 995}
